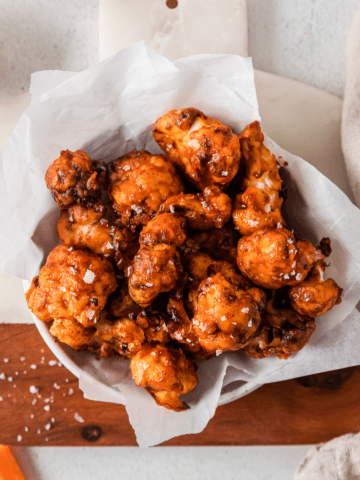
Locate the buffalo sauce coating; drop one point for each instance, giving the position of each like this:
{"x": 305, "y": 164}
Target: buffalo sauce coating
{"x": 259, "y": 203}
{"x": 165, "y": 373}
{"x": 139, "y": 183}
{"x": 203, "y": 148}
{"x": 74, "y": 284}
{"x": 273, "y": 258}
{"x": 73, "y": 177}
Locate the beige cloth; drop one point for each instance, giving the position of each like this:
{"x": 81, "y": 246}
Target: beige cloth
{"x": 338, "y": 459}
{"x": 351, "y": 109}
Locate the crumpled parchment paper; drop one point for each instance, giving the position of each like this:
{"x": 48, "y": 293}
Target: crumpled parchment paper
{"x": 107, "y": 111}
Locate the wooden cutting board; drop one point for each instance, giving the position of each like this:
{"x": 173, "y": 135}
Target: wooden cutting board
{"x": 302, "y": 411}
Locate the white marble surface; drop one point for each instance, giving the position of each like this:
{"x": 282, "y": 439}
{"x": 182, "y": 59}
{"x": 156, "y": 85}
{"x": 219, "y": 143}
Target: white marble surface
{"x": 300, "y": 40}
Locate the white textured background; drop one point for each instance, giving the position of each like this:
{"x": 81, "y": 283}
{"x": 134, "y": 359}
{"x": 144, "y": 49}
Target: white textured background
{"x": 304, "y": 40}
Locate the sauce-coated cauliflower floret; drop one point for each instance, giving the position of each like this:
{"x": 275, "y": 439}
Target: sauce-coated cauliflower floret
{"x": 73, "y": 284}
{"x": 282, "y": 333}
{"x": 226, "y": 316}
{"x": 73, "y": 177}
{"x": 259, "y": 203}
{"x": 165, "y": 373}
{"x": 205, "y": 150}
{"x": 139, "y": 183}
{"x": 88, "y": 226}
{"x": 202, "y": 211}
{"x": 274, "y": 258}
{"x": 71, "y": 332}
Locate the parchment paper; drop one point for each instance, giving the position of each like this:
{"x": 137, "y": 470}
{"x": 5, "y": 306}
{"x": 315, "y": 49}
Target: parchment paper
{"x": 107, "y": 111}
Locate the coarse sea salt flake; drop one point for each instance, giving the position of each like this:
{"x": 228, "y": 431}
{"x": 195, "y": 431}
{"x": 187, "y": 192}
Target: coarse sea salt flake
{"x": 33, "y": 366}
{"x": 2, "y": 376}
{"x": 6, "y": 360}
{"x": 47, "y": 426}
{"x": 90, "y": 314}
{"x": 71, "y": 391}
{"x": 22, "y": 359}
{"x": 52, "y": 363}
{"x": 47, "y": 408}
{"x": 34, "y": 389}
{"x": 78, "y": 418}
{"x": 89, "y": 276}
{"x": 19, "y": 438}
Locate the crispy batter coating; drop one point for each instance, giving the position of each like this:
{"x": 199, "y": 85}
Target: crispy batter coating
{"x": 71, "y": 332}
{"x": 87, "y": 226}
{"x": 200, "y": 266}
{"x": 139, "y": 183}
{"x": 123, "y": 335}
{"x": 283, "y": 332}
{"x": 165, "y": 228}
{"x": 203, "y": 211}
{"x": 315, "y": 296}
{"x": 156, "y": 267}
{"x": 154, "y": 326}
{"x": 121, "y": 305}
{"x": 273, "y": 258}
{"x": 73, "y": 177}
{"x": 154, "y": 270}
{"x": 165, "y": 373}
{"x": 181, "y": 329}
{"x": 219, "y": 243}
{"x": 205, "y": 150}
{"x": 258, "y": 205}
{"x": 227, "y": 316}
{"x": 74, "y": 284}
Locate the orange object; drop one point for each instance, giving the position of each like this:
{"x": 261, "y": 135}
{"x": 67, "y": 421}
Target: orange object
{"x": 9, "y": 469}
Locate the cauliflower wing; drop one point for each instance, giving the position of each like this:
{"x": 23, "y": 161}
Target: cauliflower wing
{"x": 87, "y": 226}
{"x": 165, "y": 373}
{"x": 74, "y": 284}
{"x": 259, "y": 203}
{"x": 274, "y": 258}
{"x": 202, "y": 211}
{"x": 73, "y": 177}
{"x": 139, "y": 183}
{"x": 282, "y": 333}
{"x": 204, "y": 149}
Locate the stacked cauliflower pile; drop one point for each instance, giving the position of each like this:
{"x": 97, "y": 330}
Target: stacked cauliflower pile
{"x": 167, "y": 268}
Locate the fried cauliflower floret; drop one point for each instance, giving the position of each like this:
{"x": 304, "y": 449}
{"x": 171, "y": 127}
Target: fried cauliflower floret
{"x": 123, "y": 335}
{"x": 219, "y": 243}
{"x": 204, "y": 149}
{"x": 165, "y": 228}
{"x": 154, "y": 270}
{"x": 87, "y": 226}
{"x": 165, "y": 373}
{"x": 226, "y": 316}
{"x": 121, "y": 305}
{"x": 283, "y": 332}
{"x": 199, "y": 266}
{"x": 74, "y": 284}
{"x": 154, "y": 326}
{"x": 274, "y": 258}
{"x": 71, "y": 332}
{"x": 315, "y": 296}
{"x": 73, "y": 177}
{"x": 181, "y": 329}
{"x": 259, "y": 203}
{"x": 202, "y": 211}
{"x": 156, "y": 267}
{"x": 139, "y": 183}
